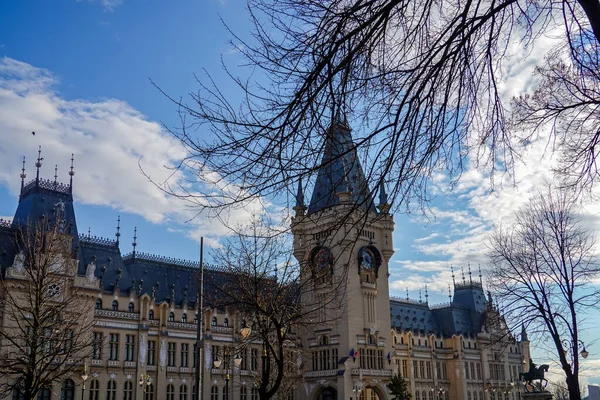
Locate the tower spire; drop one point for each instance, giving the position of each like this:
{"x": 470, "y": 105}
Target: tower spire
{"x": 38, "y": 165}
{"x": 55, "y": 175}
{"x": 449, "y": 293}
{"x": 23, "y": 174}
{"x": 118, "y": 234}
{"x": 462, "y": 271}
{"x": 453, "y": 278}
{"x": 426, "y": 295}
{"x": 470, "y": 275}
{"x": 480, "y": 279}
{"x": 383, "y": 197}
{"x": 71, "y": 173}
{"x": 134, "y": 244}
{"x": 300, "y": 208}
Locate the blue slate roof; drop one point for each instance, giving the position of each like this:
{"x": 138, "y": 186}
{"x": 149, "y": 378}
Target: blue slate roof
{"x": 464, "y": 315}
{"x": 340, "y": 171}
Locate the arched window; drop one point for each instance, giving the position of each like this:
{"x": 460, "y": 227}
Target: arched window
{"x": 324, "y": 340}
{"x": 226, "y": 322}
{"x": 98, "y": 304}
{"x": 243, "y": 393}
{"x": 183, "y": 392}
{"x": 481, "y": 395}
{"x": 111, "y": 390}
{"x": 184, "y": 317}
{"x": 468, "y": 395}
{"x": 128, "y": 390}
{"x": 45, "y": 394}
{"x": 214, "y": 393}
{"x": 170, "y": 392}
{"x": 431, "y": 397}
{"x": 94, "y": 390}
{"x": 417, "y": 395}
{"x": 395, "y": 340}
{"x": 171, "y": 317}
{"x": 213, "y": 322}
{"x": 130, "y": 308}
{"x": 424, "y": 393}
{"x": 254, "y": 394}
{"x": 401, "y": 340}
{"x": 149, "y": 392}
{"x": 225, "y": 393}
{"x": 67, "y": 391}
{"x": 151, "y": 315}
{"x": 196, "y": 318}
{"x": 115, "y": 305}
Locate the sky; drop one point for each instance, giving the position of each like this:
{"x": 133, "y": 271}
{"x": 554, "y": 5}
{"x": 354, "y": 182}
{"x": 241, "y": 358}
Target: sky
{"x": 79, "y": 74}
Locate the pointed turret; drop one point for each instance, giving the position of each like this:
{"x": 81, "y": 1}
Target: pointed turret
{"x": 523, "y": 333}
{"x": 340, "y": 172}
{"x": 300, "y": 208}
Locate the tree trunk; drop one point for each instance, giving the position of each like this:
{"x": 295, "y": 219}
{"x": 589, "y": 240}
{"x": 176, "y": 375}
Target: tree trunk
{"x": 573, "y": 387}
{"x": 592, "y": 11}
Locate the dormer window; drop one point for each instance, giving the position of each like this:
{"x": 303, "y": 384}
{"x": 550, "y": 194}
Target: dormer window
{"x": 213, "y": 322}
{"x": 99, "y": 304}
{"x": 130, "y": 307}
{"x": 226, "y": 322}
{"x": 115, "y": 305}
{"x": 171, "y": 317}
{"x": 184, "y": 318}
{"x": 150, "y": 315}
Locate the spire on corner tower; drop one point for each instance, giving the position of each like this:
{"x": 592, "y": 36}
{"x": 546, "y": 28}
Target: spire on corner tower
{"x": 38, "y": 165}
{"x": 71, "y": 173}
{"x": 23, "y": 174}
{"x": 523, "y": 333}
{"x": 134, "y": 244}
{"x": 118, "y": 234}
{"x": 453, "y": 277}
{"x": 300, "y": 208}
{"x": 383, "y": 197}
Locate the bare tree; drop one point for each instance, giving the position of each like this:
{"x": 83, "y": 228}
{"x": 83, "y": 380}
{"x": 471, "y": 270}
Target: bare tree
{"x": 417, "y": 80}
{"x": 264, "y": 288}
{"x": 542, "y": 266}
{"x": 46, "y": 325}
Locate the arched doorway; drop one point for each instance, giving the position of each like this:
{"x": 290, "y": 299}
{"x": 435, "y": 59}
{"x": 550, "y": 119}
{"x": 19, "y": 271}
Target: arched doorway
{"x": 327, "y": 393}
{"x": 371, "y": 393}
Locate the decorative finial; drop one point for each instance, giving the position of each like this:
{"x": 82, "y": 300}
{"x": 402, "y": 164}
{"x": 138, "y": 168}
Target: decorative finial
{"x": 450, "y": 292}
{"x": 23, "y": 174}
{"x": 300, "y": 195}
{"x": 134, "y": 244}
{"x": 55, "y": 175}
{"x": 470, "y": 276}
{"x": 453, "y": 277}
{"x": 523, "y": 333}
{"x": 89, "y": 232}
{"x": 71, "y": 173}
{"x": 407, "y": 293}
{"x": 480, "y": 279}
{"x": 420, "y": 298}
{"x": 426, "y": 295}
{"x": 462, "y": 271}
{"x": 383, "y": 197}
{"x": 38, "y": 164}
{"x": 118, "y": 234}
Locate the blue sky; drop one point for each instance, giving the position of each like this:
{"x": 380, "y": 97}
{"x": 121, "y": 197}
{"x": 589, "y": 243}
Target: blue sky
{"x": 78, "y": 74}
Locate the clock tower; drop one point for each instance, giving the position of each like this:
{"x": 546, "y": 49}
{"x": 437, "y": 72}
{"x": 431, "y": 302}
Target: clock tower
{"x": 343, "y": 242}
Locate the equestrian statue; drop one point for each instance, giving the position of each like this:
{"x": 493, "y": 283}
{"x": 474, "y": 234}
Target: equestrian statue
{"x": 533, "y": 374}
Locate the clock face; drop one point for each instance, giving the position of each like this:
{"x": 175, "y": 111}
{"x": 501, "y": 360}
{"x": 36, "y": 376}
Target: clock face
{"x": 367, "y": 259}
{"x": 322, "y": 259}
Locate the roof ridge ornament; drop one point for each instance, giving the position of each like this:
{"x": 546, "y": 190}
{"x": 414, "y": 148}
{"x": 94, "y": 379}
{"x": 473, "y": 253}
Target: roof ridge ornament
{"x": 23, "y": 175}
{"x": 118, "y": 233}
{"x": 134, "y": 244}
{"x": 38, "y": 164}
{"x": 71, "y": 173}
{"x": 300, "y": 207}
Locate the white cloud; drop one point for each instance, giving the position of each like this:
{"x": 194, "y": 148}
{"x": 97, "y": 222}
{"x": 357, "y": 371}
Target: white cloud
{"x": 110, "y": 140}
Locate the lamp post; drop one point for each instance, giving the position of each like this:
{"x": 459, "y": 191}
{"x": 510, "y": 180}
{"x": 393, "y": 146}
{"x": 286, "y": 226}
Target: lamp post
{"x": 580, "y": 345}
{"x": 438, "y": 392}
{"x": 84, "y": 377}
{"x": 145, "y": 381}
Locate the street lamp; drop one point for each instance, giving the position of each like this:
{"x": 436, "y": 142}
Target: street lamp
{"x": 145, "y": 381}
{"x": 84, "y": 377}
{"x": 580, "y": 345}
{"x": 438, "y": 392}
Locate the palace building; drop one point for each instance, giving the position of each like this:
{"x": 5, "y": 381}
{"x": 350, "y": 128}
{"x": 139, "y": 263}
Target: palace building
{"x": 144, "y": 308}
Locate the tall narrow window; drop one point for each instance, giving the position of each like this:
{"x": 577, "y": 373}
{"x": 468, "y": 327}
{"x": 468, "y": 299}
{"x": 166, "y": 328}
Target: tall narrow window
{"x": 151, "y": 315}
{"x": 113, "y": 346}
{"x": 149, "y": 392}
{"x": 213, "y": 322}
{"x": 183, "y": 392}
{"x": 99, "y": 304}
{"x": 129, "y": 347}
{"x": 97, "y": 346}
{"x": 243, "y": 393}
{"x": 214, "y": 393}
{"x": 170, "y": 392}
{"x": 171, "y": 354}
{"x": 226, "y": 322}
{"x": 130, "y": 307}
{"x": 94, "y": 390}
{"x": 115, "y": 305}
{"x": 111, "y": 392}
{"x": 151, "y": 352}
{"x": 184, "y": 354}
{"x": 184, "y": 318}
{"x": 171, "y": 317}
{"x": 128, "y": 390}
{"x": 67, "y": 391}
